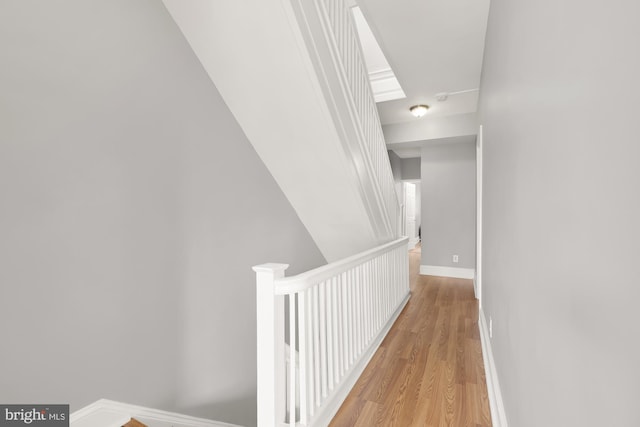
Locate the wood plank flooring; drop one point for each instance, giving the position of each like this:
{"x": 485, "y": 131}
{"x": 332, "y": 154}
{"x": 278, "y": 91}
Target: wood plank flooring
{"x": 428, "y": 370}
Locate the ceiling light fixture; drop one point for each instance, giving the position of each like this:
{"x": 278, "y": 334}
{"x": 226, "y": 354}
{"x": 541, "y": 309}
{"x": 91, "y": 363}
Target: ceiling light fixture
{"x": 419, "y": 110}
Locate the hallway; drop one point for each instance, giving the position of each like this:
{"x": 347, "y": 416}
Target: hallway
{"x": 428, "y": 371}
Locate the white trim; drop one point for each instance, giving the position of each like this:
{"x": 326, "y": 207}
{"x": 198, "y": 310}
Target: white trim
{"x": 477, "y": 283}
{"x": 498, "y": 414}
{"x": 413, "y": 242}
{"x": 108, "y": 413}
{"x": 98, "y": 414}
{"x": 381, "y": 95}
{"x": 328, "y": 410}
{"x": 385, "y": 73}
{"x": 385, "y": 86}
{"x": 304, "y": 281}
{"x": 457, "y": 272}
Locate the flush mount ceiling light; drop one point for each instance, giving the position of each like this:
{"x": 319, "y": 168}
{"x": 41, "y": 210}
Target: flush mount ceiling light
{"x": 419, "y": 110}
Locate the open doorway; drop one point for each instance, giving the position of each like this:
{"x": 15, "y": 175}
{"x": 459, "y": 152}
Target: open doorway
{"x": 411, "y": 195}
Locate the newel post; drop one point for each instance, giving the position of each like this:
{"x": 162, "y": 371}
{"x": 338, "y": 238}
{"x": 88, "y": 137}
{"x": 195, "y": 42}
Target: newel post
{"x": 271, "y": 350}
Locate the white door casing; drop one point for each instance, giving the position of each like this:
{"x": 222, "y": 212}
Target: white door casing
{"x": 477, "y": 283}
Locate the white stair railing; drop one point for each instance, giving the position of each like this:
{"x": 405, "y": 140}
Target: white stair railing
{"x": 336, "y": 316}
{"x": 340, "y": 29}
{"x": 333, "y": 37}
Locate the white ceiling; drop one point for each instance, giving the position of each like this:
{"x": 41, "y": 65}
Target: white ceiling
{"x": 433, "y": 46}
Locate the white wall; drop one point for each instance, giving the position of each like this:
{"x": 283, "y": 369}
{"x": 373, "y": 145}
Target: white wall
{"x": 559, "y": 108}
{"x": 133, "y": 208}
{"x": 273, "y": 65}
{"x": 396, "y": 169}
{"x": 437, "y": 127}
{"x": 448, "y": 204}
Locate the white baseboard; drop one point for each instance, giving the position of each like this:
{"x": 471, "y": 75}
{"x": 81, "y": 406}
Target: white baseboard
{"x": 498, "y": 414}
{"x": 437, "y": 270}
{"x": 108, "y": 413}
{"x": 328, "y": 410}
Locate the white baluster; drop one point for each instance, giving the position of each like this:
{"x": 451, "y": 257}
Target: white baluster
{"x": 382, "y": 271}
{"x": 329, "y": 336}
{"x": 359, "y": 315}
{"x": 352, "y": 318}
{"x": 323, "y": 339}
{"x": 303, "y": 354}
{"x": 310, "y": 354}
{"x": 385, "y": 271}
{"x": 316, "y": 345}
{"x": 365, "y": 304}
{"x": 345, "y": 321}
{"x": 293, "y": 374}
{"x": 335, "y": 335}
{"x": 339, "y": 309}
{"x": 378, "y": 292}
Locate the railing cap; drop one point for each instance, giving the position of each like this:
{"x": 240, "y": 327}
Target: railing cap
{"x": 270, "y": 267}
{"x": 302, "y": 281}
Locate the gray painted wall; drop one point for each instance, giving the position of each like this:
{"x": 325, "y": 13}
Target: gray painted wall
{"x": 559, "y": 105}
{"x": 448, "y": 204}
{"x": 396, "y": 165}
{"x": 411, "y": 168}
{"x": 404, "y": 168}
{"x": 396, "y": 170}
{"x": 133, "y": 208}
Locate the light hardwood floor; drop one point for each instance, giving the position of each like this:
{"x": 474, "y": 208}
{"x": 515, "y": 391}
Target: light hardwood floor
{"x": 134, "y": 423}
{"x": 428, "y": 370}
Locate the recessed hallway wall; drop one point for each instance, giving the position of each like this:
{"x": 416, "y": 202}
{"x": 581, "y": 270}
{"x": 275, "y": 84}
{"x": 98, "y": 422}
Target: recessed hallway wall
{"x": 448, "y": 204}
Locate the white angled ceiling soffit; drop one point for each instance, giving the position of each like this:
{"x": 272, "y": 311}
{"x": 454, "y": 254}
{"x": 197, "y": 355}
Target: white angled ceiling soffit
{"x": 384, "y": 84}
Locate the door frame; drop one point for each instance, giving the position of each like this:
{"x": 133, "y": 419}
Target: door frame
{"x": 477, "y": 283}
